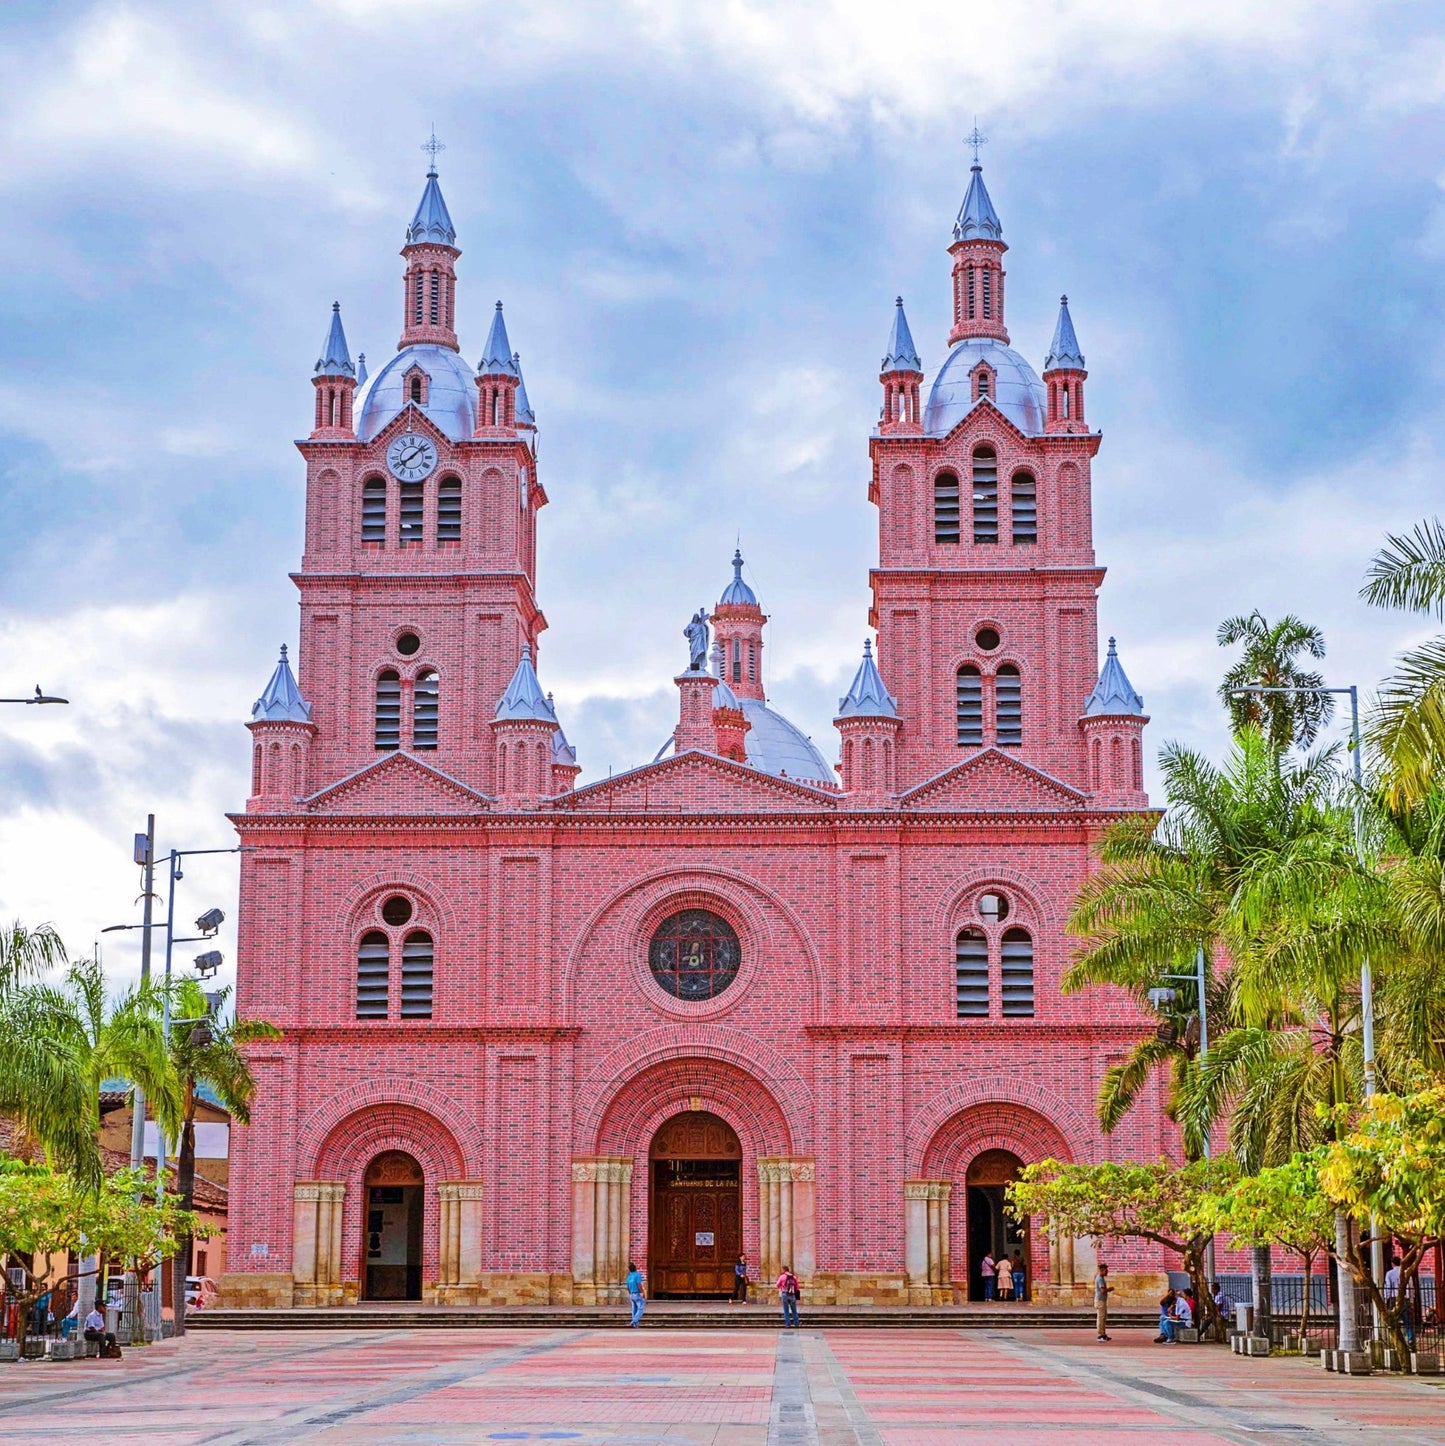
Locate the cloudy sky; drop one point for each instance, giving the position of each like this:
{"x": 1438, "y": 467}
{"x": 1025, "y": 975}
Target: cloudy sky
{"x": 698, "y": 216}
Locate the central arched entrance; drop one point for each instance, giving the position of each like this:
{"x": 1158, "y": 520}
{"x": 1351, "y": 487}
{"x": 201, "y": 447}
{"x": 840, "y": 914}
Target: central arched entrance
{"x": 391, "y": 1251}
{"x": 992, "y": 1226}
{"x": 695, "y": 1210}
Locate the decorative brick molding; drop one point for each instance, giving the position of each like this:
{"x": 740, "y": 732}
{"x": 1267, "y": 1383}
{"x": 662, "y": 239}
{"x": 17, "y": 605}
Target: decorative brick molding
{"x": 999, "y": 1113}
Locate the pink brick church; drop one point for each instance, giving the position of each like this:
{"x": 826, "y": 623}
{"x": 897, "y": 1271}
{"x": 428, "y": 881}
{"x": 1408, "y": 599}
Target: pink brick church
{"x": 742, "y": 997}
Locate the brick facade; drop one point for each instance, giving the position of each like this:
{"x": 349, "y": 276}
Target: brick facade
{"x": 550, "y": 1057}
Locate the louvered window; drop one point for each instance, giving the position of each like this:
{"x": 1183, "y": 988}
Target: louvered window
{"x": 1017, "y": 959}
{"x": 416, "y": 283}
{"x": 970, "y": 707}
{"x": 970, "y": 293}
{"x": 987, "y": 292}
{"x": 416, "y": 390}
{"x": 449, "y": 510}
{"x": 1008, "y": 711}
{"x": 945, "y": 507}
{"x": 413, "y": 511}
{"x": 737, "y": 660}
{"x": 425, "y": 703}
{"x": 388, "y": 710}
{"x": 985, "y": 495}
{"x": 435, "y": 299}
{"x": 1024, "y": 510}
{"x": 752, "y": 662}
{"x": 373, "y": 510}
{"x": 416, "y": 976}
{"x": 984, "y": 382}
{"x": 971, "y": 964}
{"x": 373, "y": 966}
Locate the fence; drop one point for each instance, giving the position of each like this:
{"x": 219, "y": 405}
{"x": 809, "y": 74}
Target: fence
{"x": 1288, "y": 1321}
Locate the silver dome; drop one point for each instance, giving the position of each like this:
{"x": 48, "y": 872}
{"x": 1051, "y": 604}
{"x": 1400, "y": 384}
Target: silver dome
{"x": 451, "y": 393}
{"x": 1020, "y": 394}
{"x": 776, "y": 746}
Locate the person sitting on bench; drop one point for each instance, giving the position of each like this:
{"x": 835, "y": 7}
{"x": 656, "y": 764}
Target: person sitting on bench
{"x": 95, "y": 1331}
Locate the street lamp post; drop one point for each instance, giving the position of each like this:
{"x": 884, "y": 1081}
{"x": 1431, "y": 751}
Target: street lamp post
{"x": 1367, "y": 983}
{"x": 37, "y": 697}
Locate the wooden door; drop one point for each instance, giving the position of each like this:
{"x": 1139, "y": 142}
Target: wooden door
{"x": 696, "y": 1227}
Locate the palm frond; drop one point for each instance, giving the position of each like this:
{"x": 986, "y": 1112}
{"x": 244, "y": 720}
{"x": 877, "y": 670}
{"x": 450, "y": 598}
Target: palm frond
{"x": 1408, "y": 573}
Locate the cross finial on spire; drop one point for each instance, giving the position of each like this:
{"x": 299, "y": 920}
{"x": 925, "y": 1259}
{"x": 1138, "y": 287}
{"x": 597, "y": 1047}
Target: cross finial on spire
{"x": 433, "y": 146}
{"x": 975, "y": 138}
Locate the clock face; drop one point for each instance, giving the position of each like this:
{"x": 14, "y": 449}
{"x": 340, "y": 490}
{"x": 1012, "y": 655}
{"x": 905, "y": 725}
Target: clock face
{"x": 411, "y": 457}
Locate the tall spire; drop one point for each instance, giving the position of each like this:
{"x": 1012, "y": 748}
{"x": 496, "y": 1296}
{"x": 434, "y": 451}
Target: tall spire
{"x": 335, "y": 358}
{"x": 1113, "y": 694}
{"x": 429, "y": 315}
{"x": 432, "y": 221}
{"x": 361, "y": 370}
{"x": 1064, "y": 353}
{"x": 524, "y": 697}
{"x": 281, "y": 700}
{"x": 525, "y": 416}
{"x": 902, "y": 354}
{"x": 867, "y": 697}
{"x": 497, "y": 354}
{"x": 977, "y": 219}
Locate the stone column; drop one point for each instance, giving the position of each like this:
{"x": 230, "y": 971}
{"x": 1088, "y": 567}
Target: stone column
{"x": 316, "y": 1242}
{"x": 601, "y": 1227}
{"x": 787, "y": 1222}
{"x": 925, "y": 1241}
{"x": 459, "y": 1241}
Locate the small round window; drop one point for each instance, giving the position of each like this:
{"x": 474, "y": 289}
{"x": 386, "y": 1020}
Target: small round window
{"x": 694, "y": 954}
{"x": 396, "y": 910}
{"x": 993, "y": 907}
{"x": 987, "y": 639}
{"x": 407, "y": 644}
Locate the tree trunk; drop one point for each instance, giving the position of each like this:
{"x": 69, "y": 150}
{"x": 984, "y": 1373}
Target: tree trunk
{"x": 1348, "y": 1337}
{"x": 1261, "y": 1269}
{"x": 186, "y": 1190}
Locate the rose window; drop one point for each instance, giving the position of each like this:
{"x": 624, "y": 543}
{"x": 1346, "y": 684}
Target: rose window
{"x": 694, "y": 954}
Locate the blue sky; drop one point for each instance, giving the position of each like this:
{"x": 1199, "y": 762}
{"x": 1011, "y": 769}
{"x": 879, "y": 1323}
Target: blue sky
{"x": 698, "y": 217}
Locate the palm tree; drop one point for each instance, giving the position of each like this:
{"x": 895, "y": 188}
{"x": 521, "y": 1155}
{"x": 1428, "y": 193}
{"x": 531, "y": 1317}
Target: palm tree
{"x": 204, "y": 1052}
{"x": 27, "y": 953}
{"x": 1407, "y": 731}
{"x": 1269, "y": 660}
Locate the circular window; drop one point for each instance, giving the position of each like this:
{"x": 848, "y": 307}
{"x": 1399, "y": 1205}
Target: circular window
{"x": 694, "y": 954}
{"x": 407, "y": 644}
{"x": 993, "y": 907}
{"x": 396, "y": 910}
{"x": 987, "y": 639}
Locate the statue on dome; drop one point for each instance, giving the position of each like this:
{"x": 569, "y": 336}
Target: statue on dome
{"x": 696, "y": 634}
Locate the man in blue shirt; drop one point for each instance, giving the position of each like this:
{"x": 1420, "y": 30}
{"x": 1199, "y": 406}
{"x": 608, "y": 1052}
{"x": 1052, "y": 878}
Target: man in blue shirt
{"x": 634, "y": 1290}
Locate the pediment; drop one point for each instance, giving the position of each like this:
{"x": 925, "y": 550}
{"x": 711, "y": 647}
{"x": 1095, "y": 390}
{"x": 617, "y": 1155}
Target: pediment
{"x": 398, "y": 783}
{"x": 411, "y": 418}
{"x": 993, "y": 782}
{"x": 983, "y": 411}
{"x": 696, "y": 782}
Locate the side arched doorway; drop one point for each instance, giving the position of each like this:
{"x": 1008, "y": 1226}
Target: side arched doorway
{"x": 695, "y": 1211}
{"x": 992, "y": 1227}
{"x": 392, "y": 1248}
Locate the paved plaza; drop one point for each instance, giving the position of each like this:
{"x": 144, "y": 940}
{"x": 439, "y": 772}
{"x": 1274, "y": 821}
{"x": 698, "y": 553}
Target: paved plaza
{"x": 684, "y": 1387}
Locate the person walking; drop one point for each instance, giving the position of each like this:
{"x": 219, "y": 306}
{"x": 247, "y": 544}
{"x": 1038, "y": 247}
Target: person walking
{"x": 740, "y": 1280}
{"x": 1102, "y": 1291}
{"x": 1017, "y": 1270}
{"x": 988, "y": 1268}
{"x": 1005, "y": 1279}
{"x": 635, "y": 1292}
{"x": 788, "y": 1293}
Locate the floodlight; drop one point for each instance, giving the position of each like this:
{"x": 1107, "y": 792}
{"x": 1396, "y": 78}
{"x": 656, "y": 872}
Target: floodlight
{"x": 211, "y": 921}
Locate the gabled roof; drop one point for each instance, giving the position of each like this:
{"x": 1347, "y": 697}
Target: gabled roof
{"x": 335, "y": 359}
{"x": 373, "y": 790}
{"x": 976, "y": 785}
{"x": 697, "y": 782}
{"x": 1113, "y": 694}
{"x": 281, "y": 702}
{"x": 867, "y": 697}
{"x": 977, "y": 219}
{"x": 432, "y": 221}
{"x": 902, "y": 354}
{"x": 1064, "y": 353}
{"x": 497, "y": 354}
{"x": 524, "y": 697}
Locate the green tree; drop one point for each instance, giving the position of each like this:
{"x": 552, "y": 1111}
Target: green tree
{"x": 1271, "y": 660}
{"x": 1114, "y": 1201}
{"x": 205, "y": 1053}
{"x": 47, "y": 1214}
{"x": 1407, "y": 730}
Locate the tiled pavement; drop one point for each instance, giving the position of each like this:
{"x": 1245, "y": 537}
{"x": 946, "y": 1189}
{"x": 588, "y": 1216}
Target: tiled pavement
{"x": 682, "y": 1387}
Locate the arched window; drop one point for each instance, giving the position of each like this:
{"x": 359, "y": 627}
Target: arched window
{"x": 985, "y": 495}
{"x": 970, "y": 707}
{"x": 373, "y": 968}
{"x": 425, "y": 705}
{"x": 435, "y": 299}
{"x": 1017, "y": 960}
{"x": 984, "y": 381}
{"x": 373, "y": 510}
{"x": 971, "y": 974}
{"x": 1137, "y": 754}
{"x": 388, "y": 709}
{"x": 449, "y": 510}
{"x": 737, "y": 660}
{"x": 945, "y": 507}
{"x": 256, "y": 770}
{"x": 1116, "y": 763}
{"x": 1024, "y": 509}
{"x": 987, "y": 291}
{"x": 413, "y": 511}
{"x": 416, "y": 390}
{"x": 416, "y": 975}
{"x": 416, "y": 294}
{"x": 1064, "y": 401}
{"x": 1008, "y": 713}
{"x": 1096, "y": 771}
{"x": 752, "y": 662}
{"x": 970, "y": 294}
